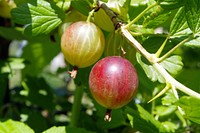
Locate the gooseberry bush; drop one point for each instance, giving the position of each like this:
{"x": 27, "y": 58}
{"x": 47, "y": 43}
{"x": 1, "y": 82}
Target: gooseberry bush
{"x": 67, "y": 64}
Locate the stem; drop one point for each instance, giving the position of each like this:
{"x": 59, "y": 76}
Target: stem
{"x": 137, "y": 45}
{"x": 153, "y": 60}
{"x": 113, "y": 17}
{"x": 174, "y": 48}
{"x": 172, "y": 81}
{"x": 90, "y": 15}
{"x": 162, "y": 47}
{"x": 140, "y": 15}
{"x": 152, "y": 57}
{"x": 180, "y": 116}
{"x": 76, "y": 107}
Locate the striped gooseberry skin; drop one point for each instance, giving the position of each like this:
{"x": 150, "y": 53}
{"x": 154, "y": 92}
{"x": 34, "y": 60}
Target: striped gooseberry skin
{"x": 82, "y": 44}
{"x": 113, "y": 82}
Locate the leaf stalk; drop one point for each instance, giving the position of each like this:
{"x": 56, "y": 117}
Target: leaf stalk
{"x": 174, "y": 48}
{"x": 140, "y": 15}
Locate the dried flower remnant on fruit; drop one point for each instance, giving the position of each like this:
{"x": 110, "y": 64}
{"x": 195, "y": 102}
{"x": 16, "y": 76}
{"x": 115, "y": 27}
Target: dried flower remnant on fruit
{"x": 74, "y": 72}
{"x": 108, "y": 115}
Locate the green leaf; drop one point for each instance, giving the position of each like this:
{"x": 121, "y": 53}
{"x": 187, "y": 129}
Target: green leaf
{"x": 11, "y": 126}
{"x": 144, "y": 122}
{"x": 163, "y": 111}
{"x": 192, "y": 13}
{"x": 16, "y": 33}
{"x": 150, "y": 71}
{"x": 172, "y": 64}
{"x": 136, "y": 7}
{"x": 34, "y": 118}
{"x": 170, "y": 126}
{"x": 55, "y": 129}
{"x": 83, "y": 6}
{"x": 191, "y": 107}
{"x": 156, "y": 18}
{"x": 117, "y": 117}
{"x": 169, "y": 98}
{"x": 178, "y": 21}
{"x": 4, "y": 85}
{"x": 40, "y": 16}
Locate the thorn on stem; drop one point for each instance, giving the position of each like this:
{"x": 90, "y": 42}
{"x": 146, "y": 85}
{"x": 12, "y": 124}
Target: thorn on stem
{"x": 108, "y": 115}
{"x": 74, "y": 72}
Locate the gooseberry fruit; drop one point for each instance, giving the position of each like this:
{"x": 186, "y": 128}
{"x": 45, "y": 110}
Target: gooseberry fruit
{"x": 82, "y": 44}
{"x": 5, "y": 7}
{"x": 113, "y": 82}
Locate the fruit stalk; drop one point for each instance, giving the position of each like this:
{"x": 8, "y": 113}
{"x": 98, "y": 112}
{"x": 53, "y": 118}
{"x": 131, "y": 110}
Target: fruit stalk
{"x": 76, "y": 107}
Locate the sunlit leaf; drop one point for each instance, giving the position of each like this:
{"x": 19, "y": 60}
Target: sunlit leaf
{"x": 7, "y": 66}
{"x": 173, "y": 64}
{"x": 40, "y": 16}
{"x": 11, "y": 126}
{"x": 170, "y": 126}
{"x": 191, "y": 107}
{"x": 172, "y": 4}
{"x": 55, "y": 129}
